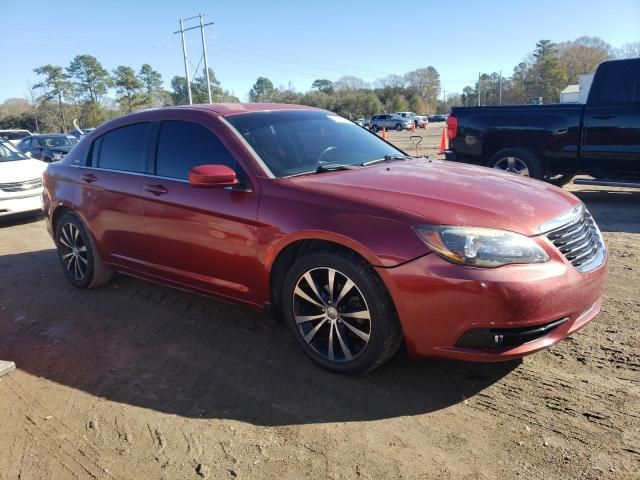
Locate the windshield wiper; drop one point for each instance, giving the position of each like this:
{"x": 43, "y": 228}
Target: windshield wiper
{"x": 386, "y": 158}
{"x": 334, "y": 167}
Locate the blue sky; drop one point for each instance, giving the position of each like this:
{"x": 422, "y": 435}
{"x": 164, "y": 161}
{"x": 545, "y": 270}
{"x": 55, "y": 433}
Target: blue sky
{"x": 298, "y": 41}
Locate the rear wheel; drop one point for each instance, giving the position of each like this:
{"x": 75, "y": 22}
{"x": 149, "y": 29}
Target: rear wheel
{"x": 519, "y": 161}
{"x": 398, "y": 127}
{"x": 78, "y": 254}
{"x": 340, "y": 312}
{"x": 561, "y": 180}
{"x": 374, "y": 128}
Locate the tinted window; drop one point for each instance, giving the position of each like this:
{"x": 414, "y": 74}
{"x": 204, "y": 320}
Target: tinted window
{"x": 182, "y": 145}
{"x": 620, "y": 84}
{"x": 295, "y": 142}
{"x": 35, "y": 142}
{"x": 25, "y": 143}
{"x": 125, "y": 148}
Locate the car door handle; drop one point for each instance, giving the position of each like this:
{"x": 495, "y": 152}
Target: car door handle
{"x": 89, "y": 178}
{"x": 156, "y": 189}
{"x": 604, "y": 116}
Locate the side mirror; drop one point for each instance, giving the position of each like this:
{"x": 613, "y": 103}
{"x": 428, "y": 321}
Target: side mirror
{"x": 212, "y": 176}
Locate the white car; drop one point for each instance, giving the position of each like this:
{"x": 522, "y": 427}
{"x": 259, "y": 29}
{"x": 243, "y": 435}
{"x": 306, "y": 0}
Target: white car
{"x": 14, "y": 136}
{"x": 20, "y": 181}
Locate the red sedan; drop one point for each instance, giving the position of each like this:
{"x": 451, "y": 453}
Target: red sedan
{"x": 358, "y": 246}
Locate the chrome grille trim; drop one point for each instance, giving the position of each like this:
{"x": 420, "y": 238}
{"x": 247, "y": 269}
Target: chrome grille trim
{"x": 578, "y": 239}
{"x": 17, "y": 187}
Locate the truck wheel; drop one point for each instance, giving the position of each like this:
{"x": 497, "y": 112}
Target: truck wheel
{"x": 560, "y": 180}
{"x": 519, "y": 161}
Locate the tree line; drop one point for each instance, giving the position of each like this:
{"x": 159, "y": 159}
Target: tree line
{"x": 545, "y": 72}
{"x": 89, "y": 92}
{"x": 81, "y": 91}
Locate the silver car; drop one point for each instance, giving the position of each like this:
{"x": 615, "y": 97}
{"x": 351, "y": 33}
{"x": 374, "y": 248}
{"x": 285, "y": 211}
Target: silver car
{"x": 389, "y": 121}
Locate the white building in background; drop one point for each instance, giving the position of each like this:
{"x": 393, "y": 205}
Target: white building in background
{"x": 579, "y": 92}
{"x": 571, "y": 94}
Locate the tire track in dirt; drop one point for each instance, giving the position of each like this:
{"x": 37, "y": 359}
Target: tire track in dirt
{"x": 81, "y": 458}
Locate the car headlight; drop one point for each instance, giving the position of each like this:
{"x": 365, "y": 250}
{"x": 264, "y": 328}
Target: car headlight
{"x": 480, "y": 247}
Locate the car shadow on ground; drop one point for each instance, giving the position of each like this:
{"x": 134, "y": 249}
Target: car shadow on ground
{"x": 614, "y": 211}
{"x": 19, "y": 219}
{"x": 145, "y": 345}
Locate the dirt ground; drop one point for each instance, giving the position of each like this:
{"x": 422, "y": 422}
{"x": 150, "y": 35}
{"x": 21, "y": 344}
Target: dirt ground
{"x": 135, "y": 380}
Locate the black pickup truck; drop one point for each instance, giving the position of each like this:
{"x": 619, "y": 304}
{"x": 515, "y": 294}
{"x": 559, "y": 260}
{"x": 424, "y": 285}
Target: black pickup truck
{"x": 556, "y": 142}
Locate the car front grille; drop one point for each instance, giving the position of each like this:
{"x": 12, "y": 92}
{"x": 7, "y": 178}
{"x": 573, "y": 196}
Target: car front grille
{"x": 580, "y": 241}
{"x": 18, "y": 187}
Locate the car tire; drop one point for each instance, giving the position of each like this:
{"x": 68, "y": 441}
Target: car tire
{"x": 374, "y": 128}
{"x": 519, "y": 161}
{"x": 359, "y": 323}
{"x": 78, "y": 255}
{"x": 398, "y": 127}
{"x": 561, "y": 180}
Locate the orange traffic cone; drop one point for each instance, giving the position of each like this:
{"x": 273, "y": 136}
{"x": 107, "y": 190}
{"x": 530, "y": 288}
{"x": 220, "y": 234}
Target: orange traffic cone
{"x": 443, "y": 142}
{"x": 384, "y": 133}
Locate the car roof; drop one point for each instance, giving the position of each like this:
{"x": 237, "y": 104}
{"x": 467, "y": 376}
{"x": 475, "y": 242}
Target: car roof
{"x": 40, "y": 135}
{"x": 228, "y": 109}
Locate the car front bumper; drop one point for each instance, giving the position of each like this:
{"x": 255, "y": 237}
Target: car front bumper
{"x": 12, "y": 206}
{"x": 441, "y": 305}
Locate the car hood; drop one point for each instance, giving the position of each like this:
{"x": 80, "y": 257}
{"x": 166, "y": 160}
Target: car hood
{"x": 21, "y": 170}
{"x": 448, "y": 193}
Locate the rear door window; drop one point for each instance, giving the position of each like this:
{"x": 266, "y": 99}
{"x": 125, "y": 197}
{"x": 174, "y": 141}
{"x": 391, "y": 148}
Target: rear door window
{"x": 182, "y": 145}
{"x": 124, "y": 148}
{"x": 620, "y": 84}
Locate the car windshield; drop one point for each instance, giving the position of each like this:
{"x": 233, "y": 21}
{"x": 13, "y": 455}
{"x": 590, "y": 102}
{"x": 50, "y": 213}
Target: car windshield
{"x": 57, "y": 141}
{"x": 9, "y": 154}
{"x": 297, "y": 142}
{"x": 14, "y": 135}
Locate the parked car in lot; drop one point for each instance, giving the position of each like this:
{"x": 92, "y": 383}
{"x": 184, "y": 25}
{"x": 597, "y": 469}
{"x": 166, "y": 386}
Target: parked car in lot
{"x": 438, "y": 118}
{"x": 363, "y": 122}
{"x": 48, "y": 147}
{"x": 557, "y": 142}
{"x": 20, "y": 181}
{"x": 419, "y": 121}
{"x": 389, "y": 121}
{"x": 358, "y": 246}
{"x": 14, "y": 136}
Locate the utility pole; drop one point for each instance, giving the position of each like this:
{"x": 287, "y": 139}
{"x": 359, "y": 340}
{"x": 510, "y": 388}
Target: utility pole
{"x": 204, "y": 55}
{"x": 186, "y": 62}
{"x": 206, "y": 64}
{"x": 444, "y": 100}
{"x": 35, "y": 111}
{"x": 500, "y": 90}
{"x": 478, "y": 88}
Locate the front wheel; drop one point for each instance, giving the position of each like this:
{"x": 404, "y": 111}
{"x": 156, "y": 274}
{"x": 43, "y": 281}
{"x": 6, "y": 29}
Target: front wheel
{"x": 340, "y": 312}
{"x": 78, "y": 254}
{"x": 519, "y": 161}
{"x": 398, "y": 127}
{"x": 374, "y": 128}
